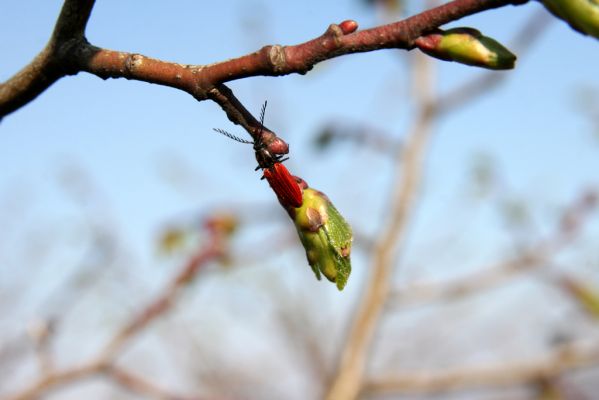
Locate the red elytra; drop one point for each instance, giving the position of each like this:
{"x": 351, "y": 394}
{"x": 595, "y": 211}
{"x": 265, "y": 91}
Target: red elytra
{"x": 269, "y": 150}
{"x": 284, "y": 185}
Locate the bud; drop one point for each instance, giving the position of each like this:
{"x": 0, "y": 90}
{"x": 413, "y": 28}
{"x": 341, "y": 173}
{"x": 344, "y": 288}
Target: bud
{"x": 348, "y": 26}
{"x": 585, "y": 294}
{"x": 273, "y": 143}
{"x": 582, "y": 15}
{"x": 172, "y": 240}
{"x": 325, "y": 235}
{"x": 467, "y": 46}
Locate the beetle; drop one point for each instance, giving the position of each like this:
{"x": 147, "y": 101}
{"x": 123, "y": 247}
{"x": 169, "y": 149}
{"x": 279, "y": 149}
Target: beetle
{"x": 270, "y": 150}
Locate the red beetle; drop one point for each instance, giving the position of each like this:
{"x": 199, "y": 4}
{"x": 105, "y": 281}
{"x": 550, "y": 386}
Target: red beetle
{"x": 284, "y": 185}
{"x": 269, "y": 150}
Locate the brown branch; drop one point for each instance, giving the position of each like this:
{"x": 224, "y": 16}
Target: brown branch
{"x": 562, "y": 359}
{"x": 52, "y": 63}
{"x": 236, "y": 112}
{"x": 282, "y": 60}
{"x": 68, "y": 53}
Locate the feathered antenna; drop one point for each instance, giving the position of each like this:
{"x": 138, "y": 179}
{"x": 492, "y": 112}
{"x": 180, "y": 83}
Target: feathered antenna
{"x": 240, "y": 140}
{"x": 230, "y": 135}
{"x": 262, "y": 115}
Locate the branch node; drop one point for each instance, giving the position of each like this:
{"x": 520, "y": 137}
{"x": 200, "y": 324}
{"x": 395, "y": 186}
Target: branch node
{"x": 133, "y": 62}
{"x": 334, "y": 31}
{"x": 277, "y": 58}
{"x": 67, "y": 54}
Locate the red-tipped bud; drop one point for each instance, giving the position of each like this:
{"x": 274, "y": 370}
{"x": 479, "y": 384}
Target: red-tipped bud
{"x": 348, "y": 26}
{"x": 274, "y": 144}
{"x": 467, "y": 46}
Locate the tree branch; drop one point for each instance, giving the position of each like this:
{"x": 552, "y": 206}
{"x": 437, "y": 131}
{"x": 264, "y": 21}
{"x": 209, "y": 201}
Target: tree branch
{"x": 68, "y": 53}
{"x": 349, "y": 375}
{"x": 562, "y": 359}
{"x": 138, "y": 385}
{"x": 52, "y": 63}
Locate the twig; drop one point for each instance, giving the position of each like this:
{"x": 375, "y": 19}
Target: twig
{"x": 476, "y": 283}
{"x": 52, "y": 63}
{"x": 68, "y": 52}
{"x": 139, "y": 385}
{"x": 41, "y": 332}
{"x": 562, "y": 359}
{"x": 165, "y": 300}
{"x": 495, "y": 274}
{"x": 348, "y": 379}
{"x": 58, "y": 378}
{"x": 104, "y": 361}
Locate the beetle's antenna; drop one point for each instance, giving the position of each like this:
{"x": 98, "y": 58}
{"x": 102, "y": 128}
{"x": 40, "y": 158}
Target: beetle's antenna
{"x": 231, "y": 136}
{"x": 262, "y": 113}
{"x": 262, "y": 119}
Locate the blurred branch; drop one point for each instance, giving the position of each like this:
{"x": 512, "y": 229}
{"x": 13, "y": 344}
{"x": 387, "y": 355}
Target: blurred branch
{"x": 364, "y": 136}
{"x": 354, "y": 355}
{"x": 58, "y": 378}
{"x": 522, "y": 42}
{"x": 348, "y": 377}
{"x": 213, "y": 249}
{"x": 41, "y": 333}
{"x": 569, "y": 225}
{"x": 562, "y": 359}
{"x": 488, "y": 277}
{"x": 294, "y": 319}
{"x": 139, "y": 385}
{"x": 164, "y": 301}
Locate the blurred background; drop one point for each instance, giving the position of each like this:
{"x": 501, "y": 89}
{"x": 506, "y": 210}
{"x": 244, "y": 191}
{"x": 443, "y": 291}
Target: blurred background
{"x": 110, "y": 190}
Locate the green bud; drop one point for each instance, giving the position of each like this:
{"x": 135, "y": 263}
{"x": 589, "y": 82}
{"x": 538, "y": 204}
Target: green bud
{"x": 584, "y": 293}
{"x": 467, "y": 46}
{"x": 582, "y": 15}
{"x": 325, "y": 235}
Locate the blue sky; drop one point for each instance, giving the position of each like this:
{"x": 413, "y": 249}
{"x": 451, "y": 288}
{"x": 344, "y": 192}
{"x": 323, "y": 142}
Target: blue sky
{"x": 150, "y": 152}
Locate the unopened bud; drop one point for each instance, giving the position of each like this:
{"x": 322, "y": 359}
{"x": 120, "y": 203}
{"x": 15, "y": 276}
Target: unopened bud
{"x": 467, "y": 46}
{"x": 326, "y": 237}
{"x": 582, "y": 15}
{"x": 348, "y": 26}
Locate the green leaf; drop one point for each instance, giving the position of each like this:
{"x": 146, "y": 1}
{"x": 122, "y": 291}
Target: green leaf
{"x": 326, "y": 237}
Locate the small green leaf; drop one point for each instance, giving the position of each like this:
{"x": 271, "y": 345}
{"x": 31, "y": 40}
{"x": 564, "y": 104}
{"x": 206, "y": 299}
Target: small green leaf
{"x": 326, "y": 237}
